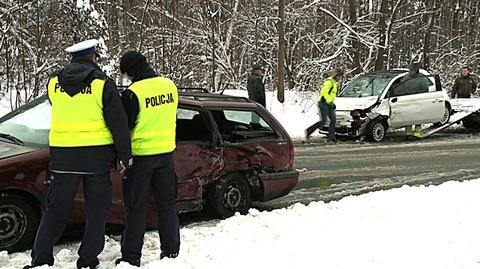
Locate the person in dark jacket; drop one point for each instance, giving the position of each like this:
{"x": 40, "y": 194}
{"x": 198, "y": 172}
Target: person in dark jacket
{"x": 464, "y": 85}
{"x": 151, "y": 104}
{"x": 417, "y": 83}
{"x": 255, "y": 86}
{"x": 88, "y": 134}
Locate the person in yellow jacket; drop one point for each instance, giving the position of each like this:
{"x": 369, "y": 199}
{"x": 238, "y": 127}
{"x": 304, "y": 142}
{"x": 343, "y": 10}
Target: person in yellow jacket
{"x": 326, "y": 105}
{"x": 151, "y": 104}
{"x": 88, "y": 137}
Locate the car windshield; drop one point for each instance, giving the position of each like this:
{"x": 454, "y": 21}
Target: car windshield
{"x": 30, "y": 123}
{"x": 367, "y": 85}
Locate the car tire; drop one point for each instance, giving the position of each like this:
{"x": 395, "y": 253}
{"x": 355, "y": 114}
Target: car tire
{"x": 228, "y": 195}
{"x": 19, "y": 221}
{"x": 469, "y": 123}
{"x": 446, "y": 116}
{"x": 376, "y": 130}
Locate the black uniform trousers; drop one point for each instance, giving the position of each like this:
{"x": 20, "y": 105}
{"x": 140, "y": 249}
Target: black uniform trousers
{"x": 157, "y": 172}
{"x": 60, "y": 197}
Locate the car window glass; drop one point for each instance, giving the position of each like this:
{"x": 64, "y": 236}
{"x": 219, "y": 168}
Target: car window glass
{"x": 32, "y": 125}
{"x": 240, "y": 125}
{"x": 415, "y": 85}
{"x": 367, "y": 85}
{"x": 192, "y": 125}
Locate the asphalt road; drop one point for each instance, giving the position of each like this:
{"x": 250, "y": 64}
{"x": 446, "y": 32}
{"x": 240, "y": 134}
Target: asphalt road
{"x": 332, "y": 171}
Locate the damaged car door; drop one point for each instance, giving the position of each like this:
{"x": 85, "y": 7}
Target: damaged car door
{"x": 417, "y": 100}
{"x": 198, "y": 160}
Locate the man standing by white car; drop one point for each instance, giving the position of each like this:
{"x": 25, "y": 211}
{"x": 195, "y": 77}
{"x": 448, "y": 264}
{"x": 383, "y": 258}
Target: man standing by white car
{"x": 413, "y": 72}
{"x": 464, "y": 85}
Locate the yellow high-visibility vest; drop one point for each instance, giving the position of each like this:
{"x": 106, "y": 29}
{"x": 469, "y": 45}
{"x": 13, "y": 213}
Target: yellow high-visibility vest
{"x": 78, "y": 121}
{"x": 329, "y": 90}
{"x": 154, "y": 131}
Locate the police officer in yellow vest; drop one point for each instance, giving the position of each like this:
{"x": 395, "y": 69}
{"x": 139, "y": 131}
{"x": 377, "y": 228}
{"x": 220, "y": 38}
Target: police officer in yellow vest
{"x": 151, "y": 105}
{"x": 88, "y": 134}
{"x": 326, "y": 105}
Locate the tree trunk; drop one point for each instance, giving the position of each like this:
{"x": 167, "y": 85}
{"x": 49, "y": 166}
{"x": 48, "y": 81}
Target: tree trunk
{"x": 430, "y": 6}
{"x": 352, "y": 14}
{"x": 382, "y": 31}
{"x": 281, "y": 52}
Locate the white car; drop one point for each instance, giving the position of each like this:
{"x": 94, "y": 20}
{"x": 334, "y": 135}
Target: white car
{"x": 375, "y": 103}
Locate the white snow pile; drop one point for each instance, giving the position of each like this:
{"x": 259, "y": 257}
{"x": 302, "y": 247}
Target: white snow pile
{"x": 409, "y": 227}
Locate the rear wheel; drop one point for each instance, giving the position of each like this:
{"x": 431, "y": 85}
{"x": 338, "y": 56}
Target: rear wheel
{"x": 18, "y": 223}
{"x": 229, "y": 195}
{"x": 376, "y": 130}
{"x": 446, "y": 116}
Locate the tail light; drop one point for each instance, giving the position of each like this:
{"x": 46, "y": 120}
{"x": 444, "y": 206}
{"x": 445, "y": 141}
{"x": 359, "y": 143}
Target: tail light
{"x": 291, "y": 154}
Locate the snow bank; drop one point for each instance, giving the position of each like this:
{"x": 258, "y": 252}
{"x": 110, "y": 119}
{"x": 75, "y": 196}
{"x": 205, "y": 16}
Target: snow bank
{"x": 409, "y": 227}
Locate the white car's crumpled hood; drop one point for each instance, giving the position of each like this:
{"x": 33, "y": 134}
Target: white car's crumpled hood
{"x": 352, "y": 103}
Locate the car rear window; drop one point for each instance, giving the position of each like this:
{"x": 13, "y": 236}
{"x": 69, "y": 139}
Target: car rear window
{"x": 241, "y": 125}
{"x": 192, "y": 125}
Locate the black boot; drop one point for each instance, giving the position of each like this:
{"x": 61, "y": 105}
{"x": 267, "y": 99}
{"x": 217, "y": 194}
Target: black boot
{"x": 168, "y": 255}
{"x": 134, "y": 262}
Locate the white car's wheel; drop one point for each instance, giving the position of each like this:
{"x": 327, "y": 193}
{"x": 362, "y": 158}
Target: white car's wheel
{"x": 376, "y": 130}
{"x": 446, "y": 116}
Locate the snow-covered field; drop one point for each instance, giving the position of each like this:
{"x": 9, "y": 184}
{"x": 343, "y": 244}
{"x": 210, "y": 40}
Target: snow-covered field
{"x": 409, "y": 227}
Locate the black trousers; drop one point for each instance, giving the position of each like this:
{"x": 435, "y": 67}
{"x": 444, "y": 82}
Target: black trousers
{"x": 98, "y": 199}
{"x": 158, "y": 173}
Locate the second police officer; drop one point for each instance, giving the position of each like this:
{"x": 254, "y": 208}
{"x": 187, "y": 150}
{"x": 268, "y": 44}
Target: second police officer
{"x": 151, "y": 105}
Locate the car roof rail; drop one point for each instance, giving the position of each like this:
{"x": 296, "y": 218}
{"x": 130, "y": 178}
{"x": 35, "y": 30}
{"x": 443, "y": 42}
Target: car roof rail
{"x": 180, "y": 89}
{"x": 202, "y": 94}
{"x": 192, "y": 89}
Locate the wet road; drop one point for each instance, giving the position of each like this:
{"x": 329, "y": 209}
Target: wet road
{"x": 332, "y": 171}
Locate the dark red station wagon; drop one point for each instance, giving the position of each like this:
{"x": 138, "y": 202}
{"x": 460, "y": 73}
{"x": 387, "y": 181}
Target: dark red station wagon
{"x": 230, "y": 152}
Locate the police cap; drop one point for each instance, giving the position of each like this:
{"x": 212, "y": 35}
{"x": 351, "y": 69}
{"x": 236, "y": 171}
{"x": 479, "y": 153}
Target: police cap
{"x": 83, "y": 48}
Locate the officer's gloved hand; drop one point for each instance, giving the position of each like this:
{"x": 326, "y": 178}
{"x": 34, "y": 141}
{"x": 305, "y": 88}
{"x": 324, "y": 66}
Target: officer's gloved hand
{"x": 334, "y": 106}
{"x": 124, "y": 164}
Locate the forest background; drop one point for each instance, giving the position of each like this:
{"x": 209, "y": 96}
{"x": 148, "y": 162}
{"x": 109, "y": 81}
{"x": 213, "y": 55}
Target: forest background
{"x": 214, "y": 43}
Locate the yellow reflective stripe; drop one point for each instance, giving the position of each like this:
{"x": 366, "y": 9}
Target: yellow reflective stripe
{"x": 154, "y": 134}
{"x": 79, "y": 126}
{"x": 83, "y": 135}
{"x": 153, "y": 144}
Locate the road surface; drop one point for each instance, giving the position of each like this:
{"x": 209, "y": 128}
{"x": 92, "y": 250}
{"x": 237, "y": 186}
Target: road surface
{"x": 332, "y": 171}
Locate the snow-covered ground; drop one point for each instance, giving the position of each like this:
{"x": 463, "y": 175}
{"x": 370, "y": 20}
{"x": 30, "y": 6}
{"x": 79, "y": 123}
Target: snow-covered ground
{"x": 409, "y": 227}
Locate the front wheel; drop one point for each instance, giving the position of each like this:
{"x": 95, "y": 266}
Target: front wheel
{"x": 18, "y": 223}
{"x": 228, "y": 195}
{"x": 376, "y": 130}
